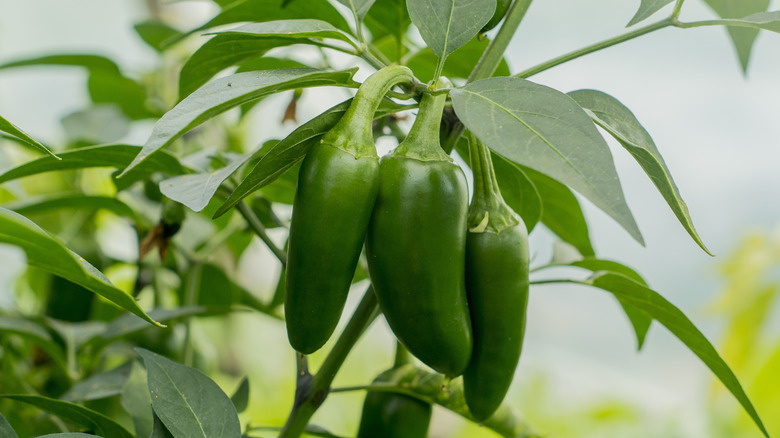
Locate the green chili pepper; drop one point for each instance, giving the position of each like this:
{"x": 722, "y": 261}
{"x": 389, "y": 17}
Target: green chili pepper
{"x": 337, "y": 186}
{"x": 416, "y": 246}
{"x": 502, "y": 6}
{"x": 497, "y": 287}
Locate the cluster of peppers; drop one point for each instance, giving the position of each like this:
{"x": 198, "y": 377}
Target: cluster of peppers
{"x": 452, "y": 281}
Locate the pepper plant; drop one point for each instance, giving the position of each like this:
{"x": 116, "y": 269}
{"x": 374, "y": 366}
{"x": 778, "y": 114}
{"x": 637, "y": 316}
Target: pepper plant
{"x": 119, "y": 358}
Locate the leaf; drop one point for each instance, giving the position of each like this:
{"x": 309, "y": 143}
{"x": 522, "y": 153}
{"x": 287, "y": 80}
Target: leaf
{"x": 74, "y": 413}
{"x": 293, "y": 148}
{"x": 742, "y": 38}
{"x": 137, "y": 402}
{"x": 358, "y": 7}
{"x": 35, "y": 332}
{"x": 240, "y": 398}
{"x": 113, "y": 155}
{"x": 187, "y": 402}
{"x": 459, "y": 65}
{"x": 129, "y": 324}
{"x": 620, "y": 123}
{"x": 98, "y": 124}
{"x": 68, "y": 435}
{"x": 159, "y": 430}
{"x": 446, "y": 25}
{"x": 763, "y": 20}
{"x": 646, "y": 9}
{"x": 229, "y": 92}
{"x": 195, "y": 191}
{"x": 561, "y": 212}
{"x": 658, "y": 308}
{"x": 267, "y": 10}
{"x": 5, "y": 429}
{"x": 49, "y": 254}
{"x": 434, "y": 388}
{"x": 156, "y": 34}
{"x": 101, "y": 385}
{"x": 10, "y": 128}
{"x": 219, "y": 53}
{"x": 295, "y": 29}
{"x": 388, "y": 17}
{"x": 37, "y": 205}
{"x": 541, "y": 128}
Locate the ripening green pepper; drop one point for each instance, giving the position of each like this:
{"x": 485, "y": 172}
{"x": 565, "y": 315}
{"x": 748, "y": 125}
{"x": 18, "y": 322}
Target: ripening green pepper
{"x": 416, "y": 245}
{"x": 497, "y": 288}
{"x": 392, "y": 415}
{"x": 502, "y": 6}
{"x": 337, "y": 186}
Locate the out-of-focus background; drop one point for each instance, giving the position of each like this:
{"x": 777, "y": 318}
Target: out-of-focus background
{"x": 580, "y": 374}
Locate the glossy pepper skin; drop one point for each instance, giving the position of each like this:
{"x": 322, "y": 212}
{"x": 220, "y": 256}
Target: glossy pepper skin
{"x": 497, "y": 288}
{"x": 391, "y": 415}
{"x": 416, "y": 245}
{"x": 334, "y": 198}
{"x": 502, "y": 6}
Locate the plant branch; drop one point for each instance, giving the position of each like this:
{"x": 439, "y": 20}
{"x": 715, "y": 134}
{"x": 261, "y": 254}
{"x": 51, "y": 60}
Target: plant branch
{"x": 492, "y": 56}
{"x": 596, "y": 47}
{"x": 259, "y": 229}
{"x": 677, "y": 8}
{"x": 312, "y": 391}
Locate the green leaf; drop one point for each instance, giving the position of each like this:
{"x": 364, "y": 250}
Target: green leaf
{"x": 46, "y": 252}
{"x": 293, "y": 148}
{"x": 457, "y": 66}
{"x": 295, "y": 29}
{"x": 97, "y": 124}
{"x": 433, "y": 388}
{"x": 130, "y": 324}
{"x": 358, "y": 7}
{"x": 74, "y": 413}
{"x": 5, "y": 429}
{"x": 68, "y": 435}
{"x": 658, "y": 308}
{"x": 195, "y": 191}
{"x": 219, "y": 53}
{"x": 156, "y": 34}
{"x": 136, "y": 401}
{"x": 187, "y": 402}
{"x": 561, "y": 212}
{"x": 91, "y": 62}
{"x": 101, "y": 385}
{"x": 240, "y": 398}
{"x": 10, "y": 128}
{"x": 159, "y": 430}
{"x": 544, "y": 129}
{"x": 35, "y": 332}
{"x": 620, "y": 123}
{"x": 267, "y": 10}
{"x": 229, "y": 92}
{"x": 113, "y": 155}
{"x": 646, "y": 9}
{"x": 762, "y": 20}
{"x": 446, "y": 25}
{"x": 388, "y": 17}
{"x": 742, "y": 38}
{"x": 37, "y": 205}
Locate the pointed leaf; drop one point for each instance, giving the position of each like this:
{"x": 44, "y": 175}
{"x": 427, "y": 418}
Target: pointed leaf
{"x": 156, "y": 33}
{"x": 5, "y": 429}
{"x": 229, "y": 92}
{"x": 240, "y": 398}
{"x": 267, "y": 10}
{"x": 74, "y": 413}
{"x": 561, "y": 212}
{"x": 544, "y": 129}
{"x": 113, "y": 155}
{"x": 388, "y": 17}
{"x": 358, "y": 7}
{"x": 187, "y": 402}
{"x": 31, "y": 206}
{"x": 296, "y": 29}
{"x": 137, "y": 402}
{"x": 10, "y": 128}
{"x": 219, "y": 53}
{"x": 293, "y": 148}
{"x": 129, "y": 324}
{"x": 49, "y": 254}
{"x": 742, "y": 38}
{"x": 100, "y": 385}
{"x": 619, "y": 122}
{"x": 34, "y": 332}
{"x": 195, "y": 191}
{"x": 646, "y": 9}
{"x": 658, "y": 308}
{"x": 446, "y": 25}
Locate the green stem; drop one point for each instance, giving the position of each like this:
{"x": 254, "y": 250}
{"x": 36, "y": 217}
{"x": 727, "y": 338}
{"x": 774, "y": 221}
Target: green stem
{"x": 492, "y": 56}
{"x": 312, "y": 391}
{"x": 723, "y": 22}
{"x": 488, "y": 211}
{"x": 677, "y": 8}
{"x": 190, "y": 298}
{"x": 402, "y": 355}
{"x": 422, "y": 142}
{"x": 259, "y": 229}
{"x": 596, "y": 47}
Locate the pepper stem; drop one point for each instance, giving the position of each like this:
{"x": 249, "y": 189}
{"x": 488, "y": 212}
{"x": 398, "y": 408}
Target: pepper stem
{"x": 422, "y": 142}
{"x": 488, "y": 211}
{"x": 353, "y": 132}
